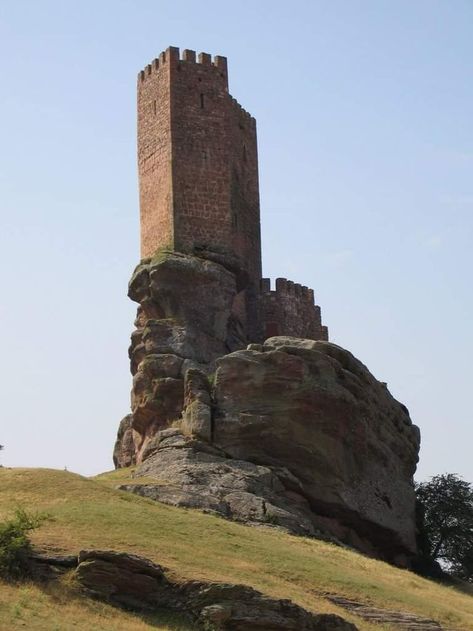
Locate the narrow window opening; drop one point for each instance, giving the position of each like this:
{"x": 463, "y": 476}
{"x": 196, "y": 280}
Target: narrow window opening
{"x": 154, "y": 107}
{"x": 202, "y": 101}
{"x": 244, "y": 154}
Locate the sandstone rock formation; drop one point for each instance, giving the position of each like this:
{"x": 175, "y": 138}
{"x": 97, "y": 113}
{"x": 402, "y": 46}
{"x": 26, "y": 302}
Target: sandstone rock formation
{"x": 137, "y": 583}
{"x": 186, "y": 319}
{"x": 294, "y": 433}
{"x": 195, "y": 474}
{"x": 314, "y": 409}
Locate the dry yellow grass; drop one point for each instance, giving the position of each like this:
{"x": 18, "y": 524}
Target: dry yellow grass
{"x": 58, "y": 608}
{"x": 88, "y": 513}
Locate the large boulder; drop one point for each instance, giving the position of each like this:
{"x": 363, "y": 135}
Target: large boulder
{"x": 313, "y": 408}
{"x": 298, "y": 434}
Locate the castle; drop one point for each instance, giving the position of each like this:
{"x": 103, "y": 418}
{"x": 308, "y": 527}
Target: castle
{"x": 239, "y": 405}
{"x": 199, "y": 192}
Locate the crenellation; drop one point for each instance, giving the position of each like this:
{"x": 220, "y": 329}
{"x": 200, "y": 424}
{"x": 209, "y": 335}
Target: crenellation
{"x": 265, "y": 285}
{"x": 290, "y": 310}
{"x": 246, "y": 115}
{"x": 281, "y": 285}
{"x": 188, "y": 55}
{"x": 221, "y": 63}
{"x": 205, "y": 59}
{"x": 172, "y": 55}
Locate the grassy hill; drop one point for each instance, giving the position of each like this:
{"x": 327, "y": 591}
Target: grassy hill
{"x": 90, "y": 513}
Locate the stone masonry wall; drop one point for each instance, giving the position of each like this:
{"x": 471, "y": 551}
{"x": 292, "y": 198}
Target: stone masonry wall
{"x": 290, "y": 310}
{"x": 154, "y": 156}
{"x": 203, "y": 189}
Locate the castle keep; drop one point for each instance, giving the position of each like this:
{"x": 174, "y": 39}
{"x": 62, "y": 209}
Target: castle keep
{"x": 199, "y": 194}
{"x": 239, "y": 404}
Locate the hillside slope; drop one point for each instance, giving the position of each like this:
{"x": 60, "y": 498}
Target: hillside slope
{"x": 88, "y": 513}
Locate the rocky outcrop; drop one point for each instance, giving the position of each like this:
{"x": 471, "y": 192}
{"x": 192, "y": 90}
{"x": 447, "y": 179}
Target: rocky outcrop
{"x": 313, "y": 408}
{"x": 393, "y": 619}
{"x": 186, "y": 308}
{"x": 294, "y": 433}
{"x": 124, "y": 451}
{"x": 187, "y": 318}
{"x": 195, "y": 474}
{"x": 137, "y": 583}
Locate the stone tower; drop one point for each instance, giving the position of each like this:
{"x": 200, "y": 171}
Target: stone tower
{"x": 307, "y": 439}
{"x": 198, "y": 165}
{"x": 199, "y": 193}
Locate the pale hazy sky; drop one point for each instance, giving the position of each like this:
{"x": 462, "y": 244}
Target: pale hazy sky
{"x": 364, "y": 111}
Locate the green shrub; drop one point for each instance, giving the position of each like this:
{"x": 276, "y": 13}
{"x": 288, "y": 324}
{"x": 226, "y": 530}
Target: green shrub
{"x": 15, "y": 545}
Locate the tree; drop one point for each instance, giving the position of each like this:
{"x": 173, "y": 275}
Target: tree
{"x": 446, "y": 505}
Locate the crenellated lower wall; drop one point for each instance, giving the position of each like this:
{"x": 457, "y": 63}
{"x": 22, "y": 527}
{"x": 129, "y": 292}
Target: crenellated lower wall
{"x": 290, "y": 309}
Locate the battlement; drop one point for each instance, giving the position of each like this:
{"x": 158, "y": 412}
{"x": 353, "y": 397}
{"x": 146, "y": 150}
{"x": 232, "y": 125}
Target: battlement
{"x": 217, "y": 65}
{"x": 172, "y": 56}
{"x": 242, "y": 111}
{"x": 290, "y": 309}
{"x": 286, "y": 287}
